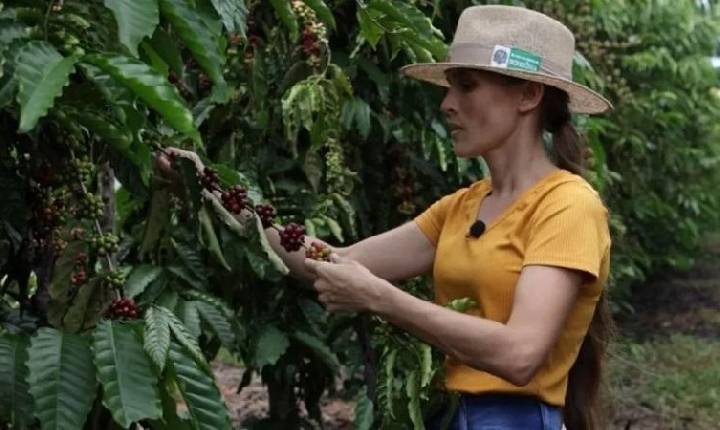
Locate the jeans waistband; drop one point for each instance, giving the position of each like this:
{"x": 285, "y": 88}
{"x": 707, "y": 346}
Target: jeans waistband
{"x": 501, "y": 411}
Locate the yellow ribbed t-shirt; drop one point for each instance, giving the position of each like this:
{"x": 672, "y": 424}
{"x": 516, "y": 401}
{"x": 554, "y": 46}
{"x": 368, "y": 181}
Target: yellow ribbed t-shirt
{"x": 559, "y": 221}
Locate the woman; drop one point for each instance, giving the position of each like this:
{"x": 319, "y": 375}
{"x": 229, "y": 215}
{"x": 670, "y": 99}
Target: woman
{"x": 530, "y": 244}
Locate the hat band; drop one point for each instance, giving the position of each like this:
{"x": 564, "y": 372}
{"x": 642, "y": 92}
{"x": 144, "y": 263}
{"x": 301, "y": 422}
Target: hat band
{"x": 501, "y": 56}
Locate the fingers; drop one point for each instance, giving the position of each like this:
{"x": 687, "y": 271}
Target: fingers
{"x": 325, "y": 292}
{"x": 311, "y": 265}
{"x": 171, "y": 151}
{"x": 331, "y": 301}
{"x": 316, "y": 267}
{"x": 337, "y": 259}
{"x": 322, "y": 286}
{"x": 161, "y": 158}
{"x": 328, "y": 294}
{"x": 164, "y": 166}
{"x": 338, "y": 307}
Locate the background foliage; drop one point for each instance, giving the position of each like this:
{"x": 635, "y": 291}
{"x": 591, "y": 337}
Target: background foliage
{"x": 301, "y": 103}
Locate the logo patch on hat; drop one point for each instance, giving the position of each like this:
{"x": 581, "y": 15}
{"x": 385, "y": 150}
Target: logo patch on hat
{"x": 500, "y": 56}
{"x": 515, "y": 58}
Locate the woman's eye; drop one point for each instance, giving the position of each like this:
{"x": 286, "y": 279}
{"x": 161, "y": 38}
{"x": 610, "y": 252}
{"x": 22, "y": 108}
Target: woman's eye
{"x": 466, "y": 85}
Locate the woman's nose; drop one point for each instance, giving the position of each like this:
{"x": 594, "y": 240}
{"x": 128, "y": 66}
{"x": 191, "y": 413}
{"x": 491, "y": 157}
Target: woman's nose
{"x": 448, "y": 103}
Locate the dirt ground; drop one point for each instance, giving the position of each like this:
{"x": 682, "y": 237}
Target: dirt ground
{"x": 674, "y": 303}
{"x": 252, "y": 402}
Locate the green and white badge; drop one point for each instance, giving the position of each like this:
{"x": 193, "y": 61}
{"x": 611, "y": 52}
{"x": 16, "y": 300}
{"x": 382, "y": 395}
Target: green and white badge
{"x": 515, "y": 58}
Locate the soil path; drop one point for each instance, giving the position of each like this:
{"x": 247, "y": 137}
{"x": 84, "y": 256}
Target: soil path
{"x": 681, "y": 303}
{"x": 252, "y": 402}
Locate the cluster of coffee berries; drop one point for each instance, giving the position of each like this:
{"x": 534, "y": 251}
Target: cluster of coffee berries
{"x": 314, "y": 34}
{"x": 235, "y": 199}
{"x": 210, "y": 180}
{"x": 318, "y": 251}
{"x": 59, "y": 244}
{"x": 48, "y": 208}
{"x": 81, "y": 259}
{"x": 82, "y": 169}
{"x": 251, "y": 47}
{"x": 79, "y": 275}
{"x": 253, "y": 39}
{"x": 91, "y": 206}
{"x": 267, "y": 214}
{"x": 115, "y": 279}
{"x": 339, "y": 178}
{"x": 310, "y": 44}
{"x": 292, "y": 237}
{"x": 51, "y": 214}
{"x": 123, "y": 309}
{"x": 105, "y": 244}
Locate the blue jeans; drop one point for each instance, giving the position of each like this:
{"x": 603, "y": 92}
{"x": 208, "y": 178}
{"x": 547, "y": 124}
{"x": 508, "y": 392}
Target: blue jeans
{"x": 500, "y": 412}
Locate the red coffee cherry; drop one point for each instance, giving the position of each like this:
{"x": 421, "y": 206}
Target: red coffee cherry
{"x": 124, "y": 308}
{"x": 292, "y": 237}
{"x": 235, "y": 199}
{"x": 267, "y": 214}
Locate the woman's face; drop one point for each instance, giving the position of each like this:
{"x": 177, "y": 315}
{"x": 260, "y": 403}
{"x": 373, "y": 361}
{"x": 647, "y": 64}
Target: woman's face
{"x": 482, "y": 110}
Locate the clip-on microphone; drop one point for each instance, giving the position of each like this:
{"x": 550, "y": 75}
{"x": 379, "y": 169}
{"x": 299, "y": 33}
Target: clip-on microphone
{"x": 476, "y": 229}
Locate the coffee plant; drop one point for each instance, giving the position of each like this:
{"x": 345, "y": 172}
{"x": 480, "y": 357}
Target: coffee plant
{"x": 119, "y": 285}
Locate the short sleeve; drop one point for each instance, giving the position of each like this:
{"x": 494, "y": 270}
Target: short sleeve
{"x": 569, "y": 229}
{"x": 432, "y": 220}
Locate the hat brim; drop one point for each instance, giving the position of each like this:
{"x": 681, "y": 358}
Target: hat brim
{"x": 582, "y": 99}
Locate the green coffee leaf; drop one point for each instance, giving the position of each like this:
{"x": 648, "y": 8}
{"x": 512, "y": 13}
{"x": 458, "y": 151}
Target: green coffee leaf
{"x": 150, "y": 86}
{"x": 271, "y": 345}
{"x": 61, "y": 378}
{"x": 41, "y": 73}
{"x": 14, "y": 390}
{"x": 136, "y": 19}
{"x": 129, "y": 384}
{"x": 204, "y": 401}
{"x": 157, "y": 336}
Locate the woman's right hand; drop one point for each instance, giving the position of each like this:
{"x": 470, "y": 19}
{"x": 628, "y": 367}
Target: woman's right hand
{"x": 163, "y": 163}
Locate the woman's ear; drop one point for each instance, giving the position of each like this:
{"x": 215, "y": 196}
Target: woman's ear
{"x": 531, "y": 97}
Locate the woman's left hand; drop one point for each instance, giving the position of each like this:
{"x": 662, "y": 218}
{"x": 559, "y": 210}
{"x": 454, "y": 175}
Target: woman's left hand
{"x": 345, "y": 285}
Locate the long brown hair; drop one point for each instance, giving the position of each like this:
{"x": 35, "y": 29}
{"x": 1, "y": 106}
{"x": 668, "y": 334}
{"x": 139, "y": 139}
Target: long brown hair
{"x": 584, "y": 400}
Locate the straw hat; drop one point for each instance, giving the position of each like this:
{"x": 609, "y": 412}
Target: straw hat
{"x": 517, "y": 42}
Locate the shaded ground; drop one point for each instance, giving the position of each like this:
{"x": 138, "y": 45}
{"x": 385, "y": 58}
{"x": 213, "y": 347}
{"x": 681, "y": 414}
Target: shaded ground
{"x": 681, "y": 304}
{"x": 665, "y": 368}
{"x": 252, "y": 402}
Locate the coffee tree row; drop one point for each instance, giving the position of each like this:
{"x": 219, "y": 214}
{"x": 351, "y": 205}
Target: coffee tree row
{"x": 86, "y": 98}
